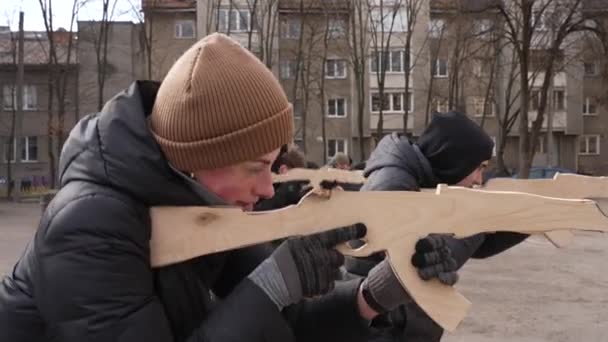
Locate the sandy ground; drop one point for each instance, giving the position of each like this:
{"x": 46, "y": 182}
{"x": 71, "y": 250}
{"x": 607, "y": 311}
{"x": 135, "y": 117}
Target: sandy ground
{"x": 533, "y": 292}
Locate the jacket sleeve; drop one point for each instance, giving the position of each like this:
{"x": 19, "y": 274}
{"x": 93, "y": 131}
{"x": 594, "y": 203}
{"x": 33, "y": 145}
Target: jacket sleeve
{"x": 333, "y": 317}
{"x": 95, "y": 283}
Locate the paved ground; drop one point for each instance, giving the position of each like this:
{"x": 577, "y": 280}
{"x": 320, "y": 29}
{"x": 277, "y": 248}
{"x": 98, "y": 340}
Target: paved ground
{"x": 531, "y": 293}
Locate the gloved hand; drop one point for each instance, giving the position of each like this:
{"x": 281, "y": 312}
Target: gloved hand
{"x": 304, "y": 267}
{"x": 285, "y": 194}
{"x": 440, "y": 256}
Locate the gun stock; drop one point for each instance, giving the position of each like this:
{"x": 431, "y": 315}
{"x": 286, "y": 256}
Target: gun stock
{"x": 395, "y": 221}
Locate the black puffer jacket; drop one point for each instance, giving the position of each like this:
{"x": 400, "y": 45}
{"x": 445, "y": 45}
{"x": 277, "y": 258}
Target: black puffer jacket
{"x": 86, "y": 274}
{"x": 397, "y": 164}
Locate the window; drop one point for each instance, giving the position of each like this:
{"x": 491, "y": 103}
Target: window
{"x": 287, "y": 69}
{"x": 290, "y": 27}
{"x": 589, "y": 144}
{"x": 335, "y": 146}
{"x": 335, "y": 68}
{"x": 483, "y": 27}
{"x": 393, "y": 61}
{"x": 440, "y": 68}
{"x": 337, "y": 28}
{"x": 479, "y": 106}
{"x": 29, "y": 150}
{"x": 540, "y": 144}
{"x": 559, "y": 100}
{"x": 184, "y": 29}
{"x": 392, "y": 102}
{"x": 234, "y": 20}
{"x": 589, "y": 107}
{"x": 440, "y": 105}
{"x": 591, "y": 68}
{"x": 298, "y": 108}
{"x": 336, "y": 108}
{"x": 30, "y": 99}
{"x": 534, "y": 100}
{"x": 436, "y": 27}
{"x": 385, "y": 19}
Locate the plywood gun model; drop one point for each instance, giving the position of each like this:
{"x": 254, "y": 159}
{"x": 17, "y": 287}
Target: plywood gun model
{"x": 395, "y": 220}
{"x": 571, "y": 186}
{"x": 317, "y": 176}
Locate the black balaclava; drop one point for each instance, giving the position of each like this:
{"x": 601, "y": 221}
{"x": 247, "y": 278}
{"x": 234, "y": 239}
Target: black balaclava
{"x": 455, "y": 146}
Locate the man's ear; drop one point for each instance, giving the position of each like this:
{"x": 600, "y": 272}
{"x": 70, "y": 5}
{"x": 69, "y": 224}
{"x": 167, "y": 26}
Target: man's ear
{"x": 283, "y": 169}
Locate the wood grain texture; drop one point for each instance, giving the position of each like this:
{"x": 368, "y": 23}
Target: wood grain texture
{"x": 395, "y": 221}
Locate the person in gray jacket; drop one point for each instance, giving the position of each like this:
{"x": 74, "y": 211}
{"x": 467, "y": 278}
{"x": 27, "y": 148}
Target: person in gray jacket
{"x": 453, "y": 150}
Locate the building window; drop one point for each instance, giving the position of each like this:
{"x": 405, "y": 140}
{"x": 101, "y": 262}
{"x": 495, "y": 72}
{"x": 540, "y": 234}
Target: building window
{"x": 440, "y": 68}
{"x": 589, "y": 144}
{"x": 298, "y": 108}
{"x": 335, "y": 68}
{"x": 440, "y": 105}
{"x": 393, "y": 61}
{"x": 483, "y": 28}
{"x": 436, "y": 28}
{"x": 290, "y": 27}
{"x": 540, "y": 144}
{"x": 479, "y": 107}
{"x": 386, "y": 20}
{"x": 591, "y": 68}
{"x": 559, "y": 100}
{"x": 184, "y": 29}
{"x": 30, "y": 98}
{"x": 392, "y": 102}
{"x": 336, "y": 28}
{"x": 29, "y": 150}
{"x": 589, "y": 106}
{"x": 234, "y": 20}
{"x": 335, "y": 146}
{"x": 336, "y": 108}
{"x": 288, "y": 69}
{"x": 534, "y": 100}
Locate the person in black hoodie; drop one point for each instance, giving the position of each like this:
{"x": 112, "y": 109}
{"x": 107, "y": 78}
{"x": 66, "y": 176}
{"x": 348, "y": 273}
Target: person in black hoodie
{"x": 453, "y": 150}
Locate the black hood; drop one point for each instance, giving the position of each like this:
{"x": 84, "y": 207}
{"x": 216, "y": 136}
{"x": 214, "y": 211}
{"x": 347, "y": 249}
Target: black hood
{"x": 398, "y": 165}
{"x": 115, "y": 148}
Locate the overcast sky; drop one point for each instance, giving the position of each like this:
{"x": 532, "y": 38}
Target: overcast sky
{"x": 62, "y": 9}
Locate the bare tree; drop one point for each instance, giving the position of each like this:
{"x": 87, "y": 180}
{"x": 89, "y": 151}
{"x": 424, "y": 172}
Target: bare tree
{"x": 537, "y": 24}
{"x": 59, "y": 54}
{"x": 412, "y": 8}
{"x": 359, "y": 49}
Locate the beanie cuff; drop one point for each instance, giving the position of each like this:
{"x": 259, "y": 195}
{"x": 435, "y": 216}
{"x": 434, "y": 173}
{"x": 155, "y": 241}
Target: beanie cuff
{"x": 245, "y": 144}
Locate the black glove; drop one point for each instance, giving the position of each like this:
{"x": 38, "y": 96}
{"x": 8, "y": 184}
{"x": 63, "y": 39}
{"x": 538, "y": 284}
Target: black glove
{"x": 285, "y": 194}
{"x": 304, "y": 267}
{"x": 440, "y": 256}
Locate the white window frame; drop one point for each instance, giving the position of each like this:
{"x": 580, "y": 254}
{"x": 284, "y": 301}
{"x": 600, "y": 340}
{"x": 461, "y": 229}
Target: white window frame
{"x": 179, "y": 29}
{"x": 337, "y": 28}
{"x": 391, "y": 100}
{"x": 555, "y": 100}
{"x": 290, "y": 27}
{"x": 30, "y": 97}
{"x": 227, "y": 13}
{"x": 335, "y": 107}
{"x": 587, "y": 138}
{"x": 25, "y": 149}
{"x": 441, "y": 105}
{"x": 400, "y": 20}
{"x": 436, "y": 27}
{"x": 587, "y": 103}
{"x": 335, "y": 141}
{"x": 437, "y": 68}
{"x": 287, "y": 69}
{"x": 378, "y": 65}
{"x": 596, "y": 68}
{"x": 332, "y": 63}
{"x": 478, "y": 107}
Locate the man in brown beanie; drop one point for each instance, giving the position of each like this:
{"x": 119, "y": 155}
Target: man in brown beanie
{"x": 206, "y": 136}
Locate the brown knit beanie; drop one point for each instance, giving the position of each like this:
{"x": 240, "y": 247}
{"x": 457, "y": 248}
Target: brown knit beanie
{"x": 218, "y": 106}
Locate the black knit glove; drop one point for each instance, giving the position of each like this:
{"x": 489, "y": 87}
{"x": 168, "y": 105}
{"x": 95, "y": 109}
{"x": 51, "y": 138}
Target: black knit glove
{"x": 304, "y": 267}
{"x": 440, "y": 256}
{"x": 285, "y": 194}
